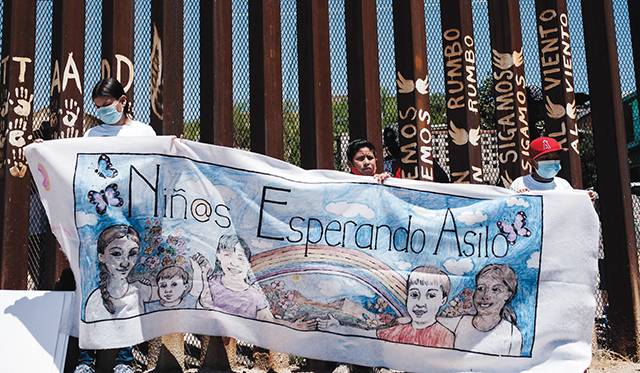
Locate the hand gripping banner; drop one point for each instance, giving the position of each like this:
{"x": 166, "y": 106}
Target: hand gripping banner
{"x": 166, "y": 235}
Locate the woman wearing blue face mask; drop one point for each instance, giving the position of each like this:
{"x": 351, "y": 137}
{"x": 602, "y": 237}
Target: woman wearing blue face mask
{"x": 114, "y": 110}
{"x": 545, "y": 153}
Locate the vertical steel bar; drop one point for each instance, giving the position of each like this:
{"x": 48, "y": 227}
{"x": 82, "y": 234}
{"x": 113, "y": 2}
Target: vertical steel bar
{"x": 16, "y": 121}
{"x": 66, "y": 101}
{"x": 414, "y": 121}
{"x": 510, "y": 90}
{"x": 167, "y": 78}
{"x": 265, "y": 63}
{"x": 612, "y": 164}
{"x": 554, "y": 47}
{"x": 363, "y": 73}
{"x": 66, "y": 94}
{"x": 465, "y": 157}
{"x": 216, "y": 94}
{"x": 315, "y": 84}
{"x": 117, "y": 43}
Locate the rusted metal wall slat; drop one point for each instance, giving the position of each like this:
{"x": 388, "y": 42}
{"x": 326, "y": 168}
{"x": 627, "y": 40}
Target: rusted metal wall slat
{"x": 167, "y": 80}
{"x": 465, "y": 158}
{"x": 216, "y": 94}
{"x": 363, "y": 73}
{"x": 265, "y": 62}
{"x": 618, "y": 231}
{"x": 315, "y": 84}
{"x": 554, "y": 46}
{"x": 18, "y": 54}
{"x": 510, "y": 90}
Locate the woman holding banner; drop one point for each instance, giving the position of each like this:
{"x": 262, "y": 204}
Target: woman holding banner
{"x": 114, "y": 110}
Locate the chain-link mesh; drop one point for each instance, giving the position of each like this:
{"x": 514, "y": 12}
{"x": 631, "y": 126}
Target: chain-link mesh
{"x": 42, "y": 68}
{"x": 92, "y": 56}
{"x": 290, "y": 89}
{"x": 240, "y": 52}
{"x": 38, "y": 227}
{"x": 192, "y": 70}
{"x": 38, "y": 224}
{"x": 386, "y": 57}
{"x": 142, "y": 34}
{"x": 339, "y": 87}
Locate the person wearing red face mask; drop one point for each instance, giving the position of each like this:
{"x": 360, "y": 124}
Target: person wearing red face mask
{"x": 361, "y": 158}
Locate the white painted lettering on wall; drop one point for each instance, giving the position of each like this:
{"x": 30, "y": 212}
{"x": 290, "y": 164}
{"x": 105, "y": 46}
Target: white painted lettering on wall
{"x": 120, "y": 61}
{"x": 417, "y": 149}
{"x": 510, "y": 90}
{"x": 70, "y": 73}
{"x": 556, "y": 58}
{"x": 156, "y": 74}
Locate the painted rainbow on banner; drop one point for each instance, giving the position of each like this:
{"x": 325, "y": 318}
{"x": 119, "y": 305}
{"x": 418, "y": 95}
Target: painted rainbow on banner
{"x": 373, "y": 273}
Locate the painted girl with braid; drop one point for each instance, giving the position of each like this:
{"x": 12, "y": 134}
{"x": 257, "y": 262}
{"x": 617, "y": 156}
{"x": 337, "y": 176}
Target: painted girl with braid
{"x": 116, "y": 297}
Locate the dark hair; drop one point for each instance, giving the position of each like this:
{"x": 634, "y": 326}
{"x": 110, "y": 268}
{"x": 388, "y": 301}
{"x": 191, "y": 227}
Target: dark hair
{"x": 391, "y": 137}
{"x": 510, "y": 280}
{"x": 173, "y": 271}
{"x": 355, "y": 145}
{"x": 107, "y": 236}
{"x": 111, "y": 87}
{"x": 228, "y": 242}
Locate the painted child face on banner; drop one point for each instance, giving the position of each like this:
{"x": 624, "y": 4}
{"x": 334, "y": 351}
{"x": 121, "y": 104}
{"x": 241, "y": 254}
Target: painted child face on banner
{"x": 120, "y": 256}
{"x": 491, "y": 295}
{"x": 423, "y": 304}
{"x": 171, "y": 289}
{"x": 234, "y": 264}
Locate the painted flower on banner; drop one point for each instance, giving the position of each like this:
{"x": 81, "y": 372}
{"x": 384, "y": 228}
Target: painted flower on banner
{"x": 381, "y": 309}
{"x": 460, "y": 305}
{"x": 160, "y": 251}
{"x": 368, "y": 323}
{"x": 152, "y": 262}
{"x": 282, "y": 301}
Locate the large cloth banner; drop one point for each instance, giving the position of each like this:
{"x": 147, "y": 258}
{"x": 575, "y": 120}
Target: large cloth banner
{"x": 166, "y": 235}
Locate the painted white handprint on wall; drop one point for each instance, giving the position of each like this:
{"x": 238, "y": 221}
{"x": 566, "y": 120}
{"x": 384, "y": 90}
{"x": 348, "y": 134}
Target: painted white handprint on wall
{"x": 4, "y": 101}
{"x": 71, "y": 112}
{"x": 23, "y": 107}
{"x": 16, "y": 132}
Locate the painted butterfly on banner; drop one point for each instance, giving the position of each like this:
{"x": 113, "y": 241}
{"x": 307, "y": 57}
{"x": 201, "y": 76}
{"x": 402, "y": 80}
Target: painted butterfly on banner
{"x": 105, "y": 168}
{"x": 516, "y": 229}
{"x": 105, "y": 198}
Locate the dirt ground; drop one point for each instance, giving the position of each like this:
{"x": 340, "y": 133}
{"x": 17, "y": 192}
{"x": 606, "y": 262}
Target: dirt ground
{"x": 605, "y": 361}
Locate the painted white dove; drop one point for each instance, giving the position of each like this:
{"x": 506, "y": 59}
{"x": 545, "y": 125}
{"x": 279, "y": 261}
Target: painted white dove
{"x": 555, "y": 111}
{"x": 474, "y": 136}
{"x": 504, "y": 61}
{"x": 459, "y": 136}
{"x": 404, "y": 85}
{"x": 422, "y": 86}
